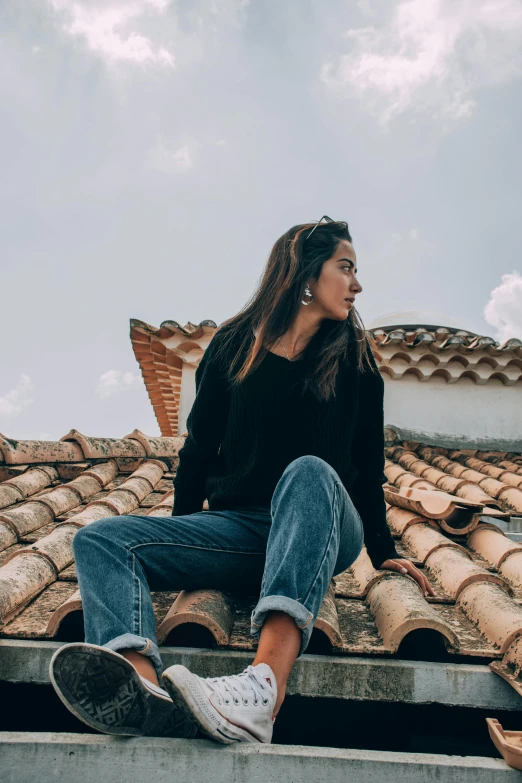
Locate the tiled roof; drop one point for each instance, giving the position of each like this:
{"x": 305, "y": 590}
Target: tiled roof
{"x": 447, "y": 510}
{"x": 448, "y": 353}
{"x": 160, "y": 354}
{"x": 445, "y": 338}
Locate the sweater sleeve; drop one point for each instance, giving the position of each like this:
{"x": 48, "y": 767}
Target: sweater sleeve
{"x": 206, "y": 424}
{"x": 368, "y": 457}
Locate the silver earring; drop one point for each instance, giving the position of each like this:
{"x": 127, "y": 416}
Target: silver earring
{"x": 307, "y": 292}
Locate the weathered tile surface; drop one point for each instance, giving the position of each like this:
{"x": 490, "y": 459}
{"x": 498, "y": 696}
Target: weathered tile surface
{"x": 51, "y": 489}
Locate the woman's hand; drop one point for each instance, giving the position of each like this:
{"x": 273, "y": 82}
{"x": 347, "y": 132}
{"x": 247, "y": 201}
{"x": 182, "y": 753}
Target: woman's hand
{"x": 404, "y": 566}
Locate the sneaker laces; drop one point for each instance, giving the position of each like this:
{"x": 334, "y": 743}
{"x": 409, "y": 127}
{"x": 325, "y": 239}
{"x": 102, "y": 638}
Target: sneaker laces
{"x": 246, "y": 684}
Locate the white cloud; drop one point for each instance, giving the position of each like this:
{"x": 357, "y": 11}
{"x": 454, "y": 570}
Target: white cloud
{"x": 163, "y": 158}
{"x": 411, "y": 234}
{"x": 15, "y": 401}
{"x": 504, "y": 309}
{"x": 110, "y": 30}
{"x": 182, "y": 158}
{"x": 432, "y": 56}
{"x": 114, "y": 382}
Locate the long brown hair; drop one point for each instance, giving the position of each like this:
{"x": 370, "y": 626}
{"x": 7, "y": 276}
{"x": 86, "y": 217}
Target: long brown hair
{"x": 274, "y": 305}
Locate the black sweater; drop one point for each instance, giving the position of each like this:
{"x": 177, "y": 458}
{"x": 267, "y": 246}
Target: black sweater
{"x": 241, "y": 438}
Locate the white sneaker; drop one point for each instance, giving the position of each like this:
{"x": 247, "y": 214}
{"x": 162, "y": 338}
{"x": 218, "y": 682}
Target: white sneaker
{"x": 237, "y": 708}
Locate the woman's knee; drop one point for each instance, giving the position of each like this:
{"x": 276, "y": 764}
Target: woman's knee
{"x": 101, "y": 528}
{"x": 311, "y": 472}
{"x": 309, "y": 464}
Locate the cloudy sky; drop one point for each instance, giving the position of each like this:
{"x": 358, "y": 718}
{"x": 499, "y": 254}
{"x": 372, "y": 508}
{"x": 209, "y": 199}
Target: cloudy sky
{"x": 154, "y": 150}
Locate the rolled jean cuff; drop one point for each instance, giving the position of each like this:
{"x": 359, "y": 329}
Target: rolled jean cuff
{"x": 281, "y": 603}
{"x": 129, "y": 641}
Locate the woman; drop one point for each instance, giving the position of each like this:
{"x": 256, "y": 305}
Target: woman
{"x": 285, "y": 439}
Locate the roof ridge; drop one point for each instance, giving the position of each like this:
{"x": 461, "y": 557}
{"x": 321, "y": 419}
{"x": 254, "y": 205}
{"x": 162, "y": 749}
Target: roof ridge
{"x": 77, "y": 447}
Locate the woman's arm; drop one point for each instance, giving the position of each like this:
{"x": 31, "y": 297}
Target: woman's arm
{"x": 368, "y": 457}
{"x": 367, "y": 493}
{"x": 205, "y": 429}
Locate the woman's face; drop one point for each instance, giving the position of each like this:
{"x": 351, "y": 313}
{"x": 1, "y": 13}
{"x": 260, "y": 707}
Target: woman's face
{"x": 337, "y": 286}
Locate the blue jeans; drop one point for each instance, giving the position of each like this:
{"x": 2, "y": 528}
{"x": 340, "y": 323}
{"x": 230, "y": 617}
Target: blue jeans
{"x": 290, "y": 551}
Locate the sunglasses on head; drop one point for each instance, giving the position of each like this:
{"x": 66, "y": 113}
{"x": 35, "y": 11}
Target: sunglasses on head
{"x": 328, "y": 220}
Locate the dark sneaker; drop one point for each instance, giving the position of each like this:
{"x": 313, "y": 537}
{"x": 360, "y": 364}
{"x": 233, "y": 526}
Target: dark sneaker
{"x": 104, "y": 690}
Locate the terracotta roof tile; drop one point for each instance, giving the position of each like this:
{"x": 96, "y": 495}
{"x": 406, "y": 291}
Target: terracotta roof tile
{"x": 28, "y": 483}
{"x": 22, "y": 579}
{"x": 508, "y": 743}
{"x": 157, "y": 447}
{"x": 104, "y": 448}
{"x": 510, "y": 667}
{"x": 411, "y": 480}
{"x": 27, "y": 517}
{"x": 399, "y": 519}
{"x": 399, "y": 607}
{"x": 498, "y": 617}
{"x": 492, "y": 544}
{"x": 73, "y": 603}
{"x": 56, "y": 547}
{"x": 164, "y": 507}
{"x": 328, "y": 620}
{"x": 21, "y": 452}
{"x": 477, "y": 495}
{"x": 455, "y": 570}
{"x": 511, "y": 499}
{"x": 104, "y": 472}
{"x": 511, "y": 569}
{"x": 359, "y": 579}
{"x": 211, "y": 609}
{"x": 516, "y": 467}
{"x": 423, "y": 539}
{"x": 8, "y": 536}
{"x": 455, "y": 515}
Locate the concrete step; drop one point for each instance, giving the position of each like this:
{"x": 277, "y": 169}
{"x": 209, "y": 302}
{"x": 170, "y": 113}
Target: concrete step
{"x": 321, "y": 676}
{"x": 87, "y": 758}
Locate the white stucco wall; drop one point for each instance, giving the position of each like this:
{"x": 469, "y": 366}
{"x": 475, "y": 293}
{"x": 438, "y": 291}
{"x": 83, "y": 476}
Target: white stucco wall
{"x": 460, "y": 413}
{"x": 190, "y": 352}
{"x": 187, "y": 396}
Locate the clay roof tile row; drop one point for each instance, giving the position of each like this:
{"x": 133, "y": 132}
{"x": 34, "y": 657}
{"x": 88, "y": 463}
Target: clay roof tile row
{"x": 475, "y": 569}
{"x": 75, "y": 447}
{"x": 28, "y": 570}
{"x": 443, "y": 339}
